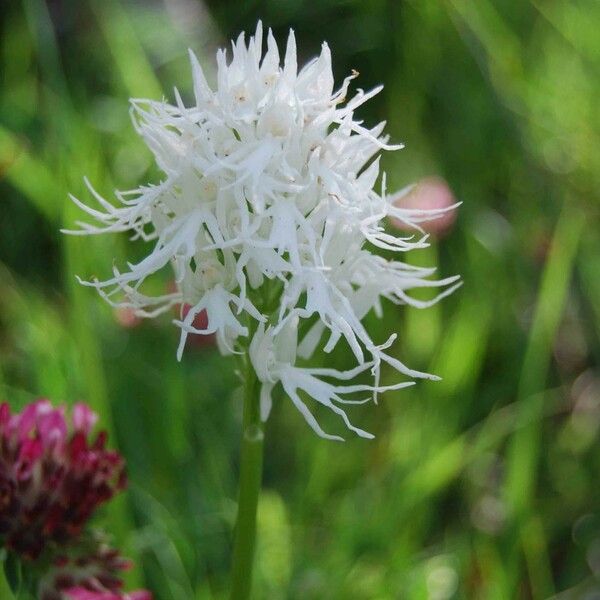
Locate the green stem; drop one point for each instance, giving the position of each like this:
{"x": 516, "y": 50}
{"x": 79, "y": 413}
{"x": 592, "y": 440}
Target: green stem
{"x": 250, "y": 481}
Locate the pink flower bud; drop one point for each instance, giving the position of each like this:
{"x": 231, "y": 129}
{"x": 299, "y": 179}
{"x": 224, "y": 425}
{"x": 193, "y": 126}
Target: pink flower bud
{"x": 126, "y": 317}
{"x": 432, "y": 195}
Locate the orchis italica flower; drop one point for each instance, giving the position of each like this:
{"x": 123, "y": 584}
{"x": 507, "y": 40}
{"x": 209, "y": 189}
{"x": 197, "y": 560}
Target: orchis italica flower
{"x": 52, "y": 475}
{"x": 269, "y": 216}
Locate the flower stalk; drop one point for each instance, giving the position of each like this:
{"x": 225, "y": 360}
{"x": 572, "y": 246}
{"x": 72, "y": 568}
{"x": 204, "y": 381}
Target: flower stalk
{"x": 251, "y": 459}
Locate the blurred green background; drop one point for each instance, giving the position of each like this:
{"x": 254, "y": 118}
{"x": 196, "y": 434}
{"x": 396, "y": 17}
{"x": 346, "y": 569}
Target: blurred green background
{"x": 485, "y": 485}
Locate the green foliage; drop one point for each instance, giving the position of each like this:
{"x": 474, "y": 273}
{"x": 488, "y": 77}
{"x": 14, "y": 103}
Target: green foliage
{"x": 483, "y": 485}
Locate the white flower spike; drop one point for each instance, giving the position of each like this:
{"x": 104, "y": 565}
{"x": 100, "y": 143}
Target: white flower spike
{"x": 269, "y": 216}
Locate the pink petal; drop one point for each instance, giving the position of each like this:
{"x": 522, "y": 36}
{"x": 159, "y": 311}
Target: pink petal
{"x": 84, "y": 418}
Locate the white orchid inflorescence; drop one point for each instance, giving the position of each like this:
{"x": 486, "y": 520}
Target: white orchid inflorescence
{"x": 269, "y": 216}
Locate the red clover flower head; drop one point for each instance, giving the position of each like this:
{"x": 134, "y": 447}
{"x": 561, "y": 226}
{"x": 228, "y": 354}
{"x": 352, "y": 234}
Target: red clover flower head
{"x": 80, "y": 593}
{"x": 53, "y": 475}
{"x": 89, "y": 570}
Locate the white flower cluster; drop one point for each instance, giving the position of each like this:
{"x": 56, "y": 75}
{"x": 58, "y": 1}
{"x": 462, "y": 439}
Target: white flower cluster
{"x": 269, "y": 216}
